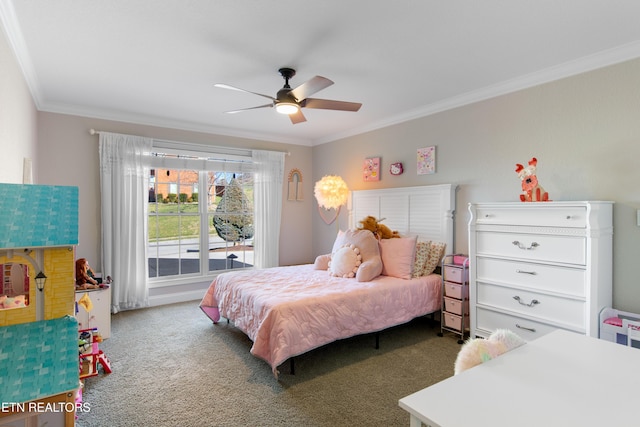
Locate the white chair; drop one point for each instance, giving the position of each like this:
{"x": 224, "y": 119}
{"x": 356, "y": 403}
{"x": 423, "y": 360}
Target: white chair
{"x": 633, "y": 332}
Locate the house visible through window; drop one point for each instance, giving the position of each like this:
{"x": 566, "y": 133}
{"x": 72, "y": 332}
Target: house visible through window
{"x": 200, "y": 220}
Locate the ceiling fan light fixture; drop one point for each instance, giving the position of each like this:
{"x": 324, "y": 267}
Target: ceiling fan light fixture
{"x": 287, "y": 108}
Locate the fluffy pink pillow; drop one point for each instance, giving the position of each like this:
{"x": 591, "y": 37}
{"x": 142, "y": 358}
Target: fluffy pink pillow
{"x": 364, "y": 240}
{"x": 398, "y": 256}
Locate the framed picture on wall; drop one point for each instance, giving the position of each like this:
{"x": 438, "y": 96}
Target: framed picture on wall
{"x": 371, "y": 169}
{"x": 426, "y": 160}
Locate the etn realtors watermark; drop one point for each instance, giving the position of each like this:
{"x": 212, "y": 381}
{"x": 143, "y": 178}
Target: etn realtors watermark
{"x": 42, "y": 407}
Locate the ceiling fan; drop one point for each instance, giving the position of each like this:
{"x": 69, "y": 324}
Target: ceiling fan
{"x": 291, "y": 101}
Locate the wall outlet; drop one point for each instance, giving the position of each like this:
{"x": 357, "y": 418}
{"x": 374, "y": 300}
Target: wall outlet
{"x": 638, "y": 219}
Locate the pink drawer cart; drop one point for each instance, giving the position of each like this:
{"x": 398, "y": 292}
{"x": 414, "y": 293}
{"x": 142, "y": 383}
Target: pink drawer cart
{"x": 455, "y": 296}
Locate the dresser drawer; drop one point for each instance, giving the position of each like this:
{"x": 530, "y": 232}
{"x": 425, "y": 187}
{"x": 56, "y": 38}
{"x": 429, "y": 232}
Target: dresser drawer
{"x": 456, "y": 274}
{"x": 535, "y": 215}
{"x": 456, "y": 290}
{"x": 487, "y": 321}
{"x": 455, "y": 306}
{"x": 563, "y": 280}
{"x": 532, "y": 247}
{"x": 555, "y": 309}
{"x": 454, "y": 321}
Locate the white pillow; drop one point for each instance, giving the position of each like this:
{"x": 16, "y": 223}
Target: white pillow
{"x": 345, "y": 261}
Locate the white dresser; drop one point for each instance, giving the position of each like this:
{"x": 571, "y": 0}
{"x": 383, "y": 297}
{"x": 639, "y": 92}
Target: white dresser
{"x": 537, "y": 267}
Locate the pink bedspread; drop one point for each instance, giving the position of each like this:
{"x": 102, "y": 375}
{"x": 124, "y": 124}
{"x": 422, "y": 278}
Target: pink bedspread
{"x": 287, "y": 311}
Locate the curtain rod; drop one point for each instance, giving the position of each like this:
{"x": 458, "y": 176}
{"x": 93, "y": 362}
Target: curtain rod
{"x": 288, "y": 153}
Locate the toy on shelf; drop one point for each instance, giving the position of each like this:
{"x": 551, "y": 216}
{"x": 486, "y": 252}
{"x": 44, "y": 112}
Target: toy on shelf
{"x": 532, "y": 191}
{"x": 90, "y": 354}
{"x": 614, "y": 324}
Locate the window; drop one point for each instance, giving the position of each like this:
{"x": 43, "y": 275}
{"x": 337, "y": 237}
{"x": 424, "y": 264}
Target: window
{"x": 200, "y": 220}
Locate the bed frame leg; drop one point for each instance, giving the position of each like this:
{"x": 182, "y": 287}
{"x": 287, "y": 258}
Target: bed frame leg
{"x": 292, "y": 366}
{"x": 377, "y": 340}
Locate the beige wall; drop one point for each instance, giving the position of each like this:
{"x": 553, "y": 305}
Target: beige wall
{"x": 584, "y": 130}
{"x": 18, "y": 135}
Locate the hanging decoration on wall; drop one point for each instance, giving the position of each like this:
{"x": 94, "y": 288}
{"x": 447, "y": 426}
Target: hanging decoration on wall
{"x": 426, "y": 160}
{"x": 331, "y": 192}
{"x": 371, "y": 169}
{"x": 396, "y": 168}
{"x": 295, "y": 185}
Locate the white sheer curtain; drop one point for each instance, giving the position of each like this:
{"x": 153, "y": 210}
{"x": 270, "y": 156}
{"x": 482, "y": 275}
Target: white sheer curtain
{"x": 267, "y": 186}
{"x": 124, "y": 190}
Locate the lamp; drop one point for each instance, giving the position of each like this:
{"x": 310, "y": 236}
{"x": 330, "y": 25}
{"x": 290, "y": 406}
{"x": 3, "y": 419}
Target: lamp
{"x": 331, "y": 192}
{"x": 41, "y": 279}
{"x": 287, "y": 107}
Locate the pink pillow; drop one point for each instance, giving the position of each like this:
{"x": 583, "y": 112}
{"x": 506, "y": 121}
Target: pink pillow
{"x": 398, "y": 256}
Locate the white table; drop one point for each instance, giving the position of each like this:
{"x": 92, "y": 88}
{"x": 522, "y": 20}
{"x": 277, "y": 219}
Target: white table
{"x": 561, "y": 379}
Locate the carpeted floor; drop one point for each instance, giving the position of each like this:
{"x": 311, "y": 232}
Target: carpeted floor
{"x": 173, "y": 367}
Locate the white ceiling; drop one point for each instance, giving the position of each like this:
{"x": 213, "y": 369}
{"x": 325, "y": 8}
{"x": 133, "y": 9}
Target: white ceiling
{"x": 155, "y": 61}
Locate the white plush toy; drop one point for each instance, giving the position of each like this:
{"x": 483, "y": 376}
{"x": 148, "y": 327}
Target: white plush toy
{"x": 477, "y": 350}
{"x": 345, "y": 261}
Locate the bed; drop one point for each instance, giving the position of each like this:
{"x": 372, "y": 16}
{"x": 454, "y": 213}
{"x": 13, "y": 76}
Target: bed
{"x": 288, "y": 311}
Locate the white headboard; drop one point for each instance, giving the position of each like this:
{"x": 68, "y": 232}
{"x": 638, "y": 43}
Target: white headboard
{"x": 426, "y": 211}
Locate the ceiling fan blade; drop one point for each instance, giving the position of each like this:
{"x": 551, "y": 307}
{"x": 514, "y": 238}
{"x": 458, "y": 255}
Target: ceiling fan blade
{"x": 223, "y": 86}
{"x": 329, "y": 104}
{"x": 297, "y": 117}
{"x": 310, "y": 87}
{"x": 250, "y": 108}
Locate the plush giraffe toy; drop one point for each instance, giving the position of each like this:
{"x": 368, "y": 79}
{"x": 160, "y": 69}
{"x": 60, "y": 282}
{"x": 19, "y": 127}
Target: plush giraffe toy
{"x": 532, "y": 191}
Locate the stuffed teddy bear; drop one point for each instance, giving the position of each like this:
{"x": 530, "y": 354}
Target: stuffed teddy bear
{"x": 476, "y": 351}
{"x": 381, "y": 231}
{"x": 532, "y": 191}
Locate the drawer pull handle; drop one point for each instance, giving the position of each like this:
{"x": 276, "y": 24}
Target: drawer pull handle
{"x": 525, "y": 328}
{"x": 521, "y": 246}
{"x": 531, "y": 304}
{"x": 568, "y": 216}
{"x": 533, "y": 273}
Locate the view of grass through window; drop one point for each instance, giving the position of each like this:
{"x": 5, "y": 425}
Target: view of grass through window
{"x": 199, "y": 222}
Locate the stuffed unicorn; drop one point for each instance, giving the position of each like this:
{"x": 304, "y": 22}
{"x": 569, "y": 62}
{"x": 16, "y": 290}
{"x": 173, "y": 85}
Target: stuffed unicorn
{"x": 476, "y": 351}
